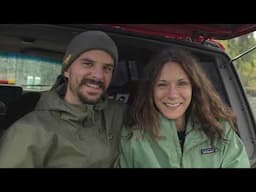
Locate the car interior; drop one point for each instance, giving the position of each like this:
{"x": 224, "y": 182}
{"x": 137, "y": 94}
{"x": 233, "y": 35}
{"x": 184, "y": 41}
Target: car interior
{"x": 134, "y": 52}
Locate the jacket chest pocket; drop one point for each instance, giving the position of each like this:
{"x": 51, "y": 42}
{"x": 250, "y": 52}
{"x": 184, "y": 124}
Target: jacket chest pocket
{"x": 207, "y": 157}
{"x": 96, "y": 145}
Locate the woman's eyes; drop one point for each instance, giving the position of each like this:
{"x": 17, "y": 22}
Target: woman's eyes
{"x": 178, "y": 84}
{"x": 162, "y": 84}
{"x": 183, "y": 83}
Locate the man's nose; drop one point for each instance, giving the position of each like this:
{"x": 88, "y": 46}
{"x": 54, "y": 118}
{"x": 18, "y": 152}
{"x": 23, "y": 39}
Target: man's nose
{"x": 98, "y": 73}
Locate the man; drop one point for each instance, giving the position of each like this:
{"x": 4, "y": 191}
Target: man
{"x": 73, "y": 125}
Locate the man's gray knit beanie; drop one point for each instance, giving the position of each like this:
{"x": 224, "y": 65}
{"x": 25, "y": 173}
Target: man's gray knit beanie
{"x": 86, "y": 41}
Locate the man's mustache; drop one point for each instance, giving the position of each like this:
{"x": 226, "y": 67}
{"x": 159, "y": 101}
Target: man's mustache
{"x": 91, "y": 81}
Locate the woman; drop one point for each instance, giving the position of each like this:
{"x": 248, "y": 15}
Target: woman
{"x": 178, "y": 120}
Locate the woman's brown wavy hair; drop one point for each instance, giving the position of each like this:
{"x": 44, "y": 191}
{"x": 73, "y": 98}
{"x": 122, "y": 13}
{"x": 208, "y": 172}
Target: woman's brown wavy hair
{"x": 206, "y": 108}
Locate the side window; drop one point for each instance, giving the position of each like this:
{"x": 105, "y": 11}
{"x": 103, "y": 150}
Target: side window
{"x": 245, "y": 64}
{"x": 247, "y": 74}
{"x": 30, "y": 72}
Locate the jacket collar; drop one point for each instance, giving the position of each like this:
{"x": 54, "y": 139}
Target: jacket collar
{"x": 167, "y": 126}
{"x": 170, "y": 122}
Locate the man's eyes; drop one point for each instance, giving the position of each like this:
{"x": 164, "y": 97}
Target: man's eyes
{"x": 108, "y": 69}
{"x": 88, "y": 64}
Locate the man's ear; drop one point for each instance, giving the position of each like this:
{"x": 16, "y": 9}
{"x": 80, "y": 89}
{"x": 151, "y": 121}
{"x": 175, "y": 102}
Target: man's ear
{"x": 66, "y": 74}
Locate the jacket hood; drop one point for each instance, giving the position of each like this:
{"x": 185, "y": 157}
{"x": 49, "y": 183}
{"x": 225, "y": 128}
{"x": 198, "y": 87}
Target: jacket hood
{"x": 51, "y": 101}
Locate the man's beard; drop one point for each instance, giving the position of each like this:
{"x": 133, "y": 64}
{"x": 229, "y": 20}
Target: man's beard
{"x": 86, "y": 100}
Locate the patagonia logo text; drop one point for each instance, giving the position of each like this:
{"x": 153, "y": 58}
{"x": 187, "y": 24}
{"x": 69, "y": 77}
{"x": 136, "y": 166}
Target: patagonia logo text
{"x": 208, "y": 150}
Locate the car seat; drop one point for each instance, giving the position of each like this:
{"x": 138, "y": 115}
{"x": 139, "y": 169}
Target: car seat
{"x": 20, "y": 107}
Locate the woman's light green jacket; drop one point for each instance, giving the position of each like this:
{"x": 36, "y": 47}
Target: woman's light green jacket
{"x": 138, "y": 152}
